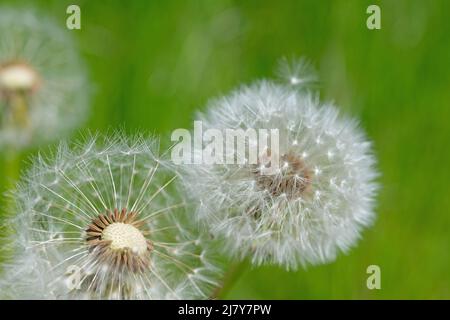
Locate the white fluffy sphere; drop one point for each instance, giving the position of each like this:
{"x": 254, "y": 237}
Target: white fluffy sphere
{"x": 317, "y": 202}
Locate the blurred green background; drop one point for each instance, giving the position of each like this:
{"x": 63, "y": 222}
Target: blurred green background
{"x": 153, "y": 63}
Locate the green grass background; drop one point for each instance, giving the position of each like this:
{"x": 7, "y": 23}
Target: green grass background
{"x": 152, "y": 63}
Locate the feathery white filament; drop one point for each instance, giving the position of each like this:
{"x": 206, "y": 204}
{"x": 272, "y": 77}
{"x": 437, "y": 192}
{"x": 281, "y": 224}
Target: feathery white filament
{"x": 43, "y": 83}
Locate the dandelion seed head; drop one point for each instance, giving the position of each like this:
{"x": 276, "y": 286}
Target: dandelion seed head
{"x": 288, "y": 215}
{"x": 108, "y": 229}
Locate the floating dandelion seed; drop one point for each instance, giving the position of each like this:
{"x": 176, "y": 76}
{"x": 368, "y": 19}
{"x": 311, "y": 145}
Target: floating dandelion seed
{"x": 310, "y": 207}
{"x": 297, "y": 72}
{"x": 98, "y": 221}
{"x": 42, "y": 82}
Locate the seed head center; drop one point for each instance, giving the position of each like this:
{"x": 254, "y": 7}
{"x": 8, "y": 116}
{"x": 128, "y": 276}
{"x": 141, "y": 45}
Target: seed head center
{"x": 292, "y": 178}
{"x": 18, "y": 76}
{"x": 125, "y": 236}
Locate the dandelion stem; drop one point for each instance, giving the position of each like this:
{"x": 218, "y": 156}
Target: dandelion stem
{"x": 230, "y": 278}
{"x": 11, "y": 170}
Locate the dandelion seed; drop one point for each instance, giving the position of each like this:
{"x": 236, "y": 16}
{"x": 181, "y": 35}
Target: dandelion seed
{"x": 298, "y": 73}
{"x": 43, "y": 90}
{"x": 111, "y": 227}
{"x": 314, "y": 205}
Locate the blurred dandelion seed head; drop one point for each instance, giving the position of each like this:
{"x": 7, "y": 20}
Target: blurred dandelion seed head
{"x": 318, "y": 200}
{"x": 99, "y": 220}
{"x": 293, "y": 178}
{"x": 43, "y": 92}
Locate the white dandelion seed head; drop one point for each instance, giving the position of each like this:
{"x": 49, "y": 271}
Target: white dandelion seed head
{"x": 43, "y": 83}
{"x": 313, "y": 205}
{"x": 98, "y": 220}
